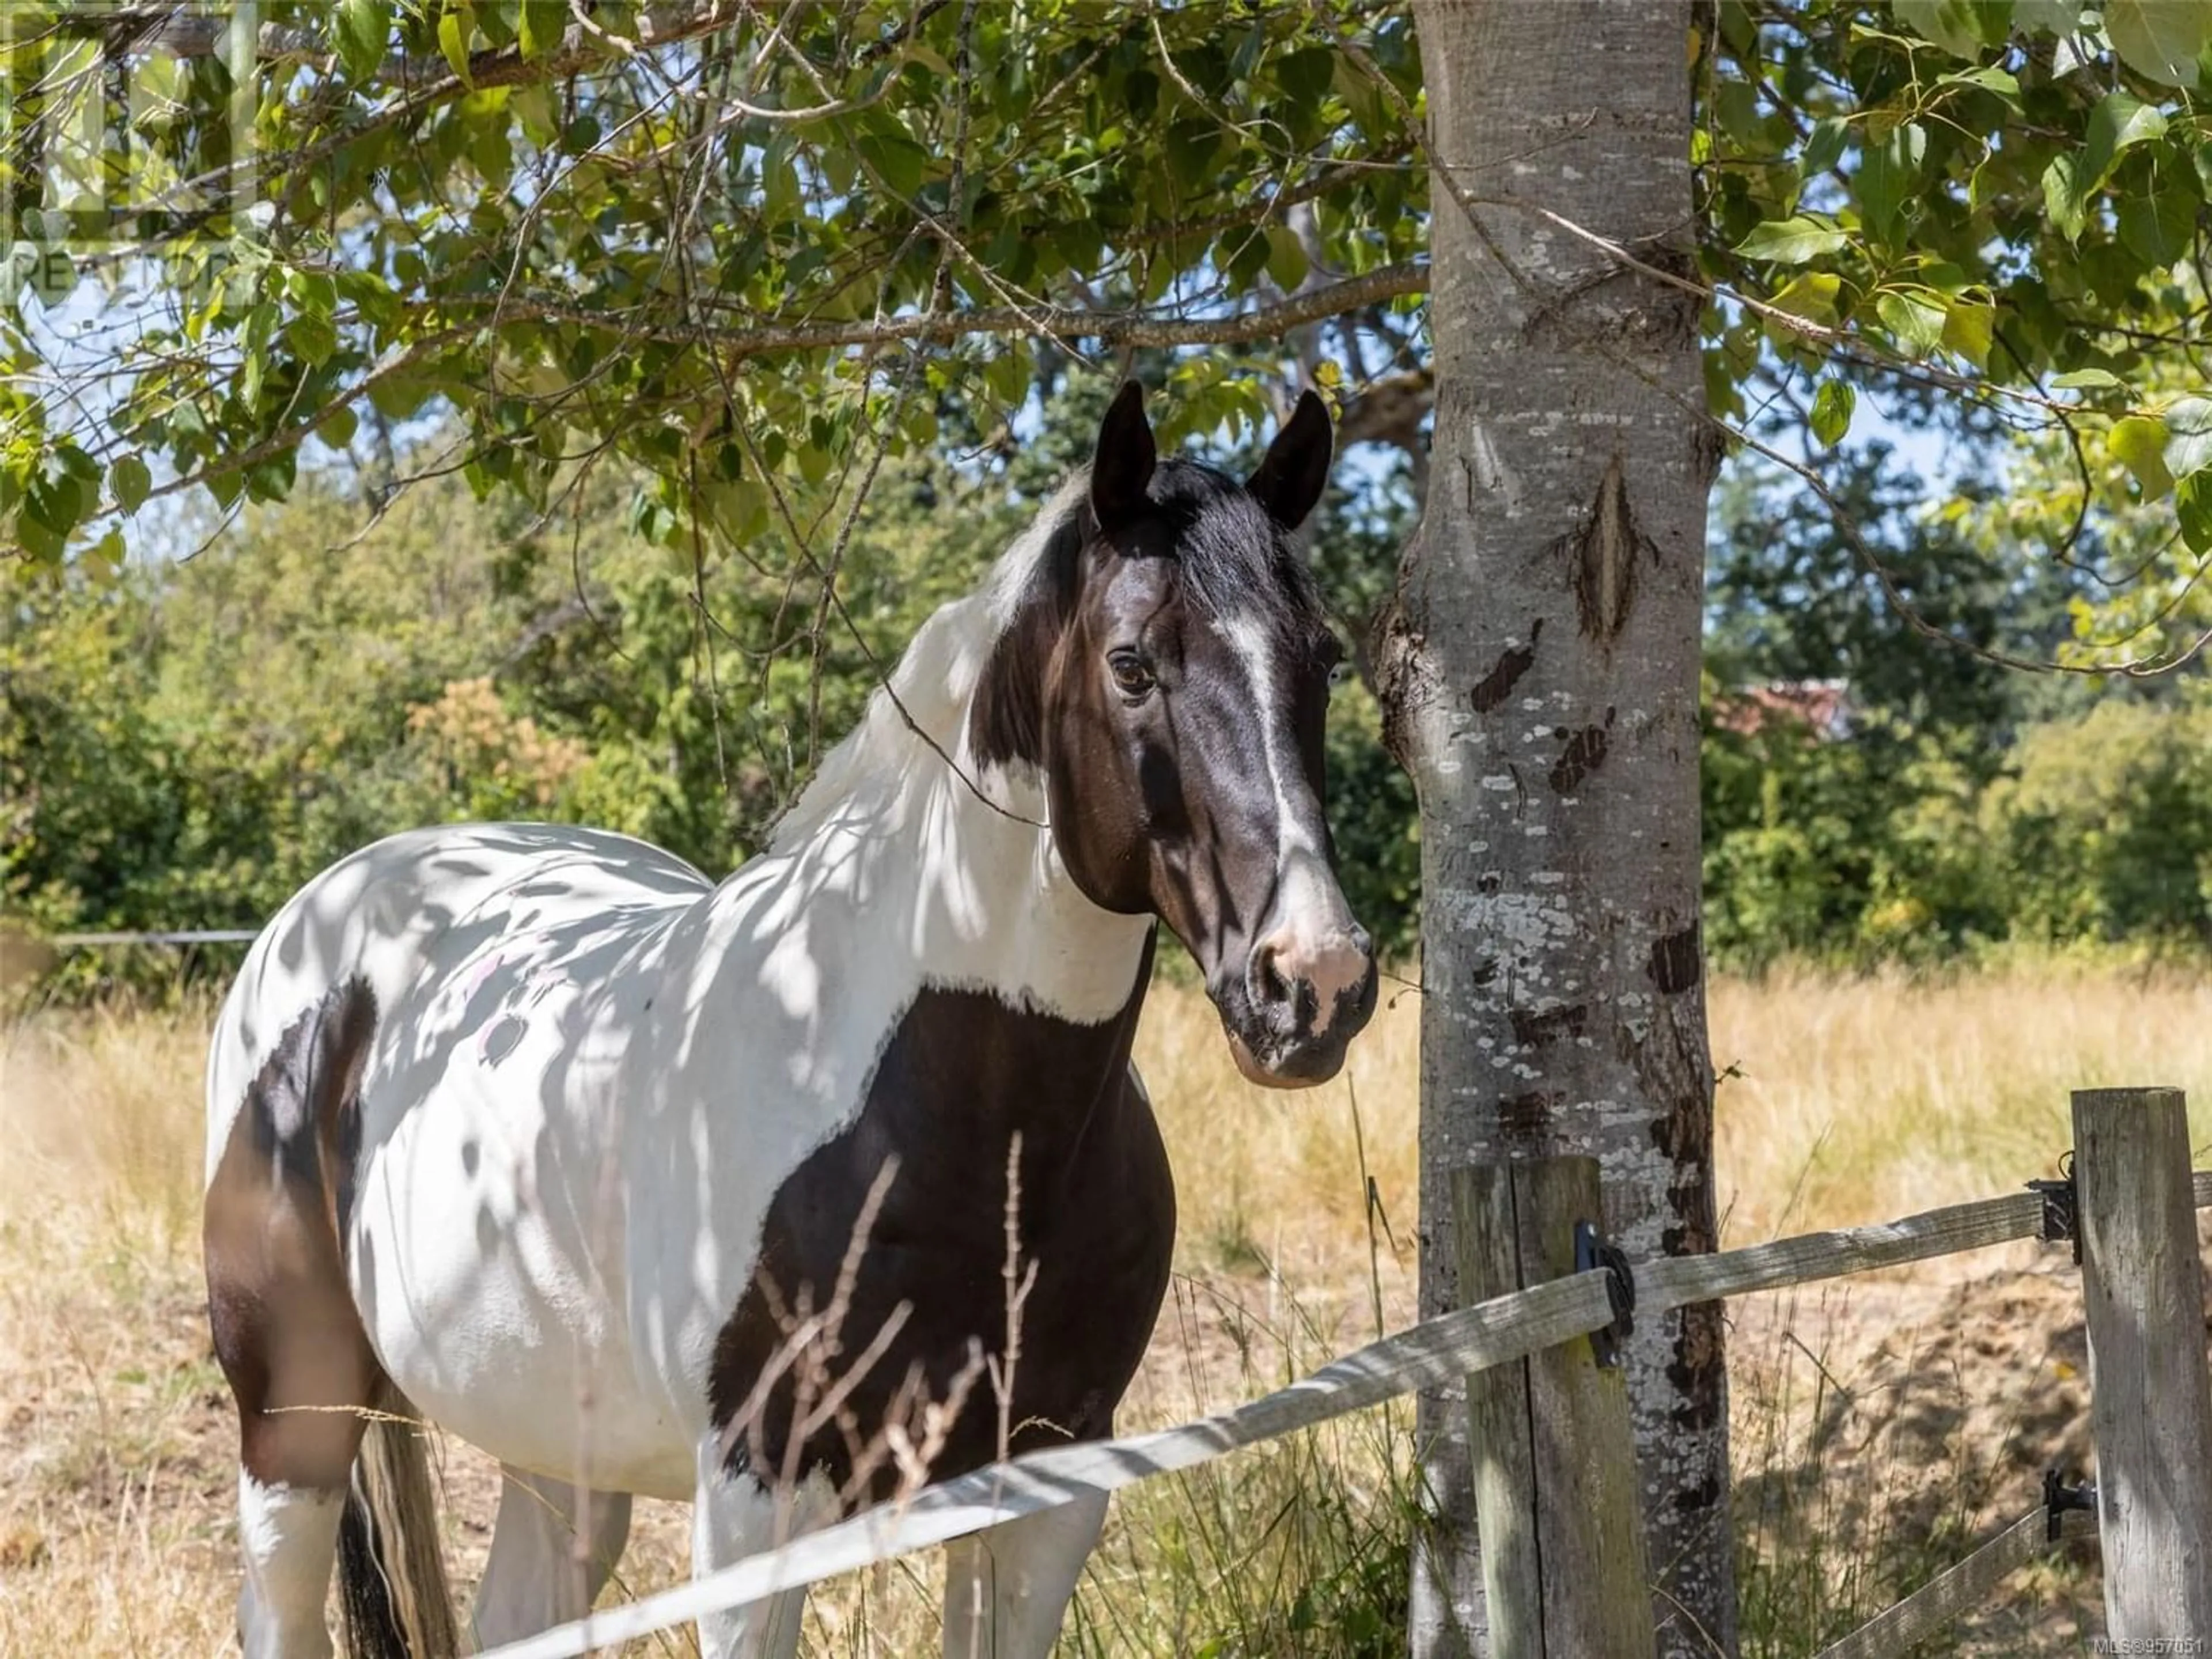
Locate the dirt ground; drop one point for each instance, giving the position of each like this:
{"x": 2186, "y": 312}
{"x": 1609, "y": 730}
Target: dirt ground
{"x": 1928, "y": 1404}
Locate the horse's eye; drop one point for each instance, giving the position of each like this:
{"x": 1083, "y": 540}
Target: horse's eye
{"x": 1131, "y": 676}
{"x": 1338, "y": 674}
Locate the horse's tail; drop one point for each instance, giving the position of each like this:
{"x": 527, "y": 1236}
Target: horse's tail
{"x": 391, "y": 1576}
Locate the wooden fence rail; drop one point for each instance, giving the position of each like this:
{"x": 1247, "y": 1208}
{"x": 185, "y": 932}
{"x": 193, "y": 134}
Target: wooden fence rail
{"x": 1495, "y": 1332}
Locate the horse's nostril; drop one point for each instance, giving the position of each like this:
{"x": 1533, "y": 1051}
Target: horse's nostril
{"x": 1267, "y": 980}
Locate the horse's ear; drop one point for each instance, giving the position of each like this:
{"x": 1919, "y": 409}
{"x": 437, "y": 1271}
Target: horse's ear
{"x": 1123, "y": 466}
{"x": 1290, "y": 477}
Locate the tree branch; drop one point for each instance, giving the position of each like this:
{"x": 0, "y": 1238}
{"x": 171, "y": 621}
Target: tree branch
{"x": 1057, "y": 323}
{"x": 1390, "y": 411}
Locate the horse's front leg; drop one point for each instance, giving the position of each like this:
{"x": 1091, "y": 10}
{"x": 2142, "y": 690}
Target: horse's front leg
{"x": 733, "y": 1516}
{"x": 1006, "y": 1588}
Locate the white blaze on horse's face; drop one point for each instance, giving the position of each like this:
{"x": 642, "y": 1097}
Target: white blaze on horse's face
{"x": 1309, "y": 939}
{"x": 1185, "y": 665}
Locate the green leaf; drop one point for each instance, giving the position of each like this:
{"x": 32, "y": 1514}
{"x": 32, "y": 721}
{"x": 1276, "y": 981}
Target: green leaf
{"x": 1190, "y": 147}
{"x": 2065, "y": 194}
{"x": 271, "y": 480}
{"x": 1888, "y": 172}
{"x": 896, "y": 160}
{"x": 53, "y": 275}
{"x": 1791, "y": 241}
{"x": 1286, "y": 257}
{"x": 1811, "y": 296}
{"x": 1006, "y": 377}
{"x": 398, "y": 397}
{"x": 1305, "y": 74}
{"x": 128, "y": 480}
{"x": 1832, "y": 404}
{"x": 1826, "y": 146}
{"x": 312, "y": 337}
{"x": 2192, "y": 505}
{"x": 2159, "y": 227}
{"x": 316, "y": 291}
{"x": 1736, "y": 104}
{"x": 1970, "y": 329}
{"x": 1242, "y": 254}
{"x": 2087, "y": 379}
{"x": 1916, "y": 316}
{"x": 337, "y": 429}
{"x": 543, "y": 23}
{"x": 36, "y": 537}
{"x": 1989, "y": 78}
{"x": 496, "y": 23}
{"x": 779, "y": 179}
{"x": 2159, "y": 39}
{"x": 454, "y": 38}
{"x": 1954, "y": 24}
{"x": 2189, "y": 447}
{"x": 363, "y": 28}
{"x": 260, "y": 327}
{"x": 2055, "y": 16}
{"x": 2138, "y": 443}
{"x": 2120, "y": 121}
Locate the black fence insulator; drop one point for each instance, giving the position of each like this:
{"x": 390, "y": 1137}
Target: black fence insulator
{"x": 2061, "y": 1219}
{"x": 1593, "y": 1253}
{"x": 2058, "y": 1497}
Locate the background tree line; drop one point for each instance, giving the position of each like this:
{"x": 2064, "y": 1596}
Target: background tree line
{"x": 183, "y": 742}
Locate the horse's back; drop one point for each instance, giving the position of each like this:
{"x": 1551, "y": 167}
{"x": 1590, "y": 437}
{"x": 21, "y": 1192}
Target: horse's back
{"x": 379, "y": 918}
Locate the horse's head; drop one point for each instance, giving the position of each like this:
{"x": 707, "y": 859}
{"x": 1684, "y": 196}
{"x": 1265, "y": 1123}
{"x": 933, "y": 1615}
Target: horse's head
{"x": 1169, "y": 670}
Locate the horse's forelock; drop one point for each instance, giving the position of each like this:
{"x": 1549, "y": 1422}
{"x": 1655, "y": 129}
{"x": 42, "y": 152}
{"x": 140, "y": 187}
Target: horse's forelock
{"x": 1233, "y": 565}
{"x": 1236, "y": 563}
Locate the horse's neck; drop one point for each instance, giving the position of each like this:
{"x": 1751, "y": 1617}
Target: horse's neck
{"x": 946, "y": 866}
{"x": 992, "y": 907}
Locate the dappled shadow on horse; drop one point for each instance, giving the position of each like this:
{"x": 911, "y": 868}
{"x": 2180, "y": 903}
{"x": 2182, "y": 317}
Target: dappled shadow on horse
{"x": 785, "y": 1193}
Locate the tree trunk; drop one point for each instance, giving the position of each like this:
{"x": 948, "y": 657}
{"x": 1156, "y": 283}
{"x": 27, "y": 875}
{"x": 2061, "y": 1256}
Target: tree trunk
{"x": 1540, "y": 679}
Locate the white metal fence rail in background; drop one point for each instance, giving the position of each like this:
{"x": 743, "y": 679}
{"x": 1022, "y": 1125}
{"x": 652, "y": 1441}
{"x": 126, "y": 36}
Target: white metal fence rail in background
{"x": 1438, "y": 1352}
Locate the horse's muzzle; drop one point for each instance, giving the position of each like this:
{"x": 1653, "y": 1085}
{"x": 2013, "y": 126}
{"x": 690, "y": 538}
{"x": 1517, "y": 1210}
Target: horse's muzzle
{"x": 1283, "y": 1042}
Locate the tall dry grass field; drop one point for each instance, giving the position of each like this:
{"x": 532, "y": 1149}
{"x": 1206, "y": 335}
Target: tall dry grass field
{"x": 1856, "y": 1100}
{"x": 1843, "y": 1102}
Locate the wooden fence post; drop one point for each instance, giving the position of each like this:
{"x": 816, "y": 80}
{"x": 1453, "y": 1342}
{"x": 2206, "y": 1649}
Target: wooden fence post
{"x": 1557, "y": 1511}
{"x": 2150, "y": 1397}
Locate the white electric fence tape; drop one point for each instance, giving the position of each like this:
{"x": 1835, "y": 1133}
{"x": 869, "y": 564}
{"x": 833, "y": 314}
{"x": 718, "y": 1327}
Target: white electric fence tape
{"x": 1442, "y": 1351}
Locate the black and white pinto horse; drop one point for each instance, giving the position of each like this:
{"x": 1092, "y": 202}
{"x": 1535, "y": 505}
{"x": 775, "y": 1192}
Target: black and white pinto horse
{"x": 537, "y": 1134}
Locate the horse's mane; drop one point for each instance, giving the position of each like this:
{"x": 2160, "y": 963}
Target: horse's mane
{"x": 934, "y": 679}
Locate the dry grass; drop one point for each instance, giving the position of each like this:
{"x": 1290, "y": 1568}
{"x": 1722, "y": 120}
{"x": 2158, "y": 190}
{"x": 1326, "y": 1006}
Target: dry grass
{"x": 1850, "y": 1101}
{"x": 1857, "y": 1100}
